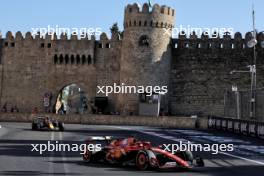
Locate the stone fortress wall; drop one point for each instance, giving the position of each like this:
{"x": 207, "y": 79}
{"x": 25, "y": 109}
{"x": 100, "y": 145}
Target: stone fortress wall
{"x": 33, "y": 66}
{"x": 196, "y": 69}
{"x": 146, "y": 53}
{"x": 201, "y": 71}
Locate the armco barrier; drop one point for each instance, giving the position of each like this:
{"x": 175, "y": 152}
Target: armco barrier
{"x": 245, "y": 127}
{"x": 167, "y": 122}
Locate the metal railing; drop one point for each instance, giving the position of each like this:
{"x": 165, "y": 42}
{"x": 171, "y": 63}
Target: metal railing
{"x": 244, "y": 127}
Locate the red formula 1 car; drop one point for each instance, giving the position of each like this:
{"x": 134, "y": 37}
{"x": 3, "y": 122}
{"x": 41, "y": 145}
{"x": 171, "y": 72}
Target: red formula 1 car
{"x": 130, "y": 151}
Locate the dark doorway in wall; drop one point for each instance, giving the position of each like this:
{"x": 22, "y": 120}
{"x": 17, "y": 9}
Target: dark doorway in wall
{"x": 101, "y": 104}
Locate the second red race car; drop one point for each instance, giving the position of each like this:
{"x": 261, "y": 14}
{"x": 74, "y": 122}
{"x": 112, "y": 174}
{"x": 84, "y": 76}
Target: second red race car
{"x": 143, "y": 155}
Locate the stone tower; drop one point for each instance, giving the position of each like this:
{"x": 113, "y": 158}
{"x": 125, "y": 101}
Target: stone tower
{"x": 146, "y": 51}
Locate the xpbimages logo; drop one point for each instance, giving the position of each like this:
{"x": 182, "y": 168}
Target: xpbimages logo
{"x": 189, "y": 146}
{"x": 213, "y": 32}
{"x": 82, "y": 32}
{"x": 60, "y": 147}
{"x": 126, "y": 89}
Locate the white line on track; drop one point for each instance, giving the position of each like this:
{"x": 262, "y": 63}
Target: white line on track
{"x": 64, "y": 159}
{"x": 51, "y": 167}
{"x": 242, "y": 158}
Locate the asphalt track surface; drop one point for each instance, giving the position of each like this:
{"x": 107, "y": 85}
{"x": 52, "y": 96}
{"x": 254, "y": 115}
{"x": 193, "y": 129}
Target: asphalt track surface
{"x": 16, "y": 157}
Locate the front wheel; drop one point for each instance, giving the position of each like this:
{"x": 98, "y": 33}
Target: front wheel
{"x": 142, "y": 160}
{"x": 38, "y": 127}
{"x": 185, "y": 155}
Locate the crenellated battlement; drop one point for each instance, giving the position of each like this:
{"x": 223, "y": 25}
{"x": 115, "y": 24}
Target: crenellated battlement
{"x": 62, "y": 41}
{"x": 63, "y": 36}
{"x": 156, "y": 16}
{"x": 215, "y": 41}
{"x": 135, "y": 8}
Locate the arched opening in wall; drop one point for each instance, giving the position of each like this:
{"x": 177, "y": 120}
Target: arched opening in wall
{"x": 145, "y": 23}
{"x": 139, "y": 23}
{"x": 78, "y": 59}
{"x": 61, "y": 59}
{"x": 66, "y": 59}
{"x": 55, "y": 59}
{"x": 135, "y": 23}
{"x": 72, "y": 59}
{"x": 107, "y": 45}
{"x": 89, "y": 59}
{"x": 83, "y": 59}
{"x": 71, "y": 100}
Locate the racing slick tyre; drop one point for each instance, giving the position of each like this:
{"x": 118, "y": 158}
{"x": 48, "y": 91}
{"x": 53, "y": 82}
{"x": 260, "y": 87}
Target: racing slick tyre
{"x": 142, "y": 160}
{"x": 61, "y": 126}
{"x": 188, "y": 156}
{"x": 185, "y": 155}
{"x": 33, "y": 126}
{"x": 37, "y": 126}
{"x": 87, "y": 156}
{"x": 55, "y": 124}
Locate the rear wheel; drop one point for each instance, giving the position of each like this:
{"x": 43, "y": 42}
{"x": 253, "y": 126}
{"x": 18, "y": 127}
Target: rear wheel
{"x": 33, "y": 126}
{"x": 61, "y": 126}
{"x": 142, "y": 160}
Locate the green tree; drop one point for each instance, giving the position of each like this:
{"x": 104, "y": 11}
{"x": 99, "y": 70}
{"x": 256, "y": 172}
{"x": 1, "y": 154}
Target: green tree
{"x": 115, "y": 28}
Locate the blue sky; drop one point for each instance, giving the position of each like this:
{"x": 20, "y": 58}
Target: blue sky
{"x": 22, "y": 15}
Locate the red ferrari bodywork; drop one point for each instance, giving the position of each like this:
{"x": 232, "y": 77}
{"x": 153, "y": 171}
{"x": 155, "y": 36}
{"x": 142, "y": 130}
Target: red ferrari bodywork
{"x": 142, "y": 154}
